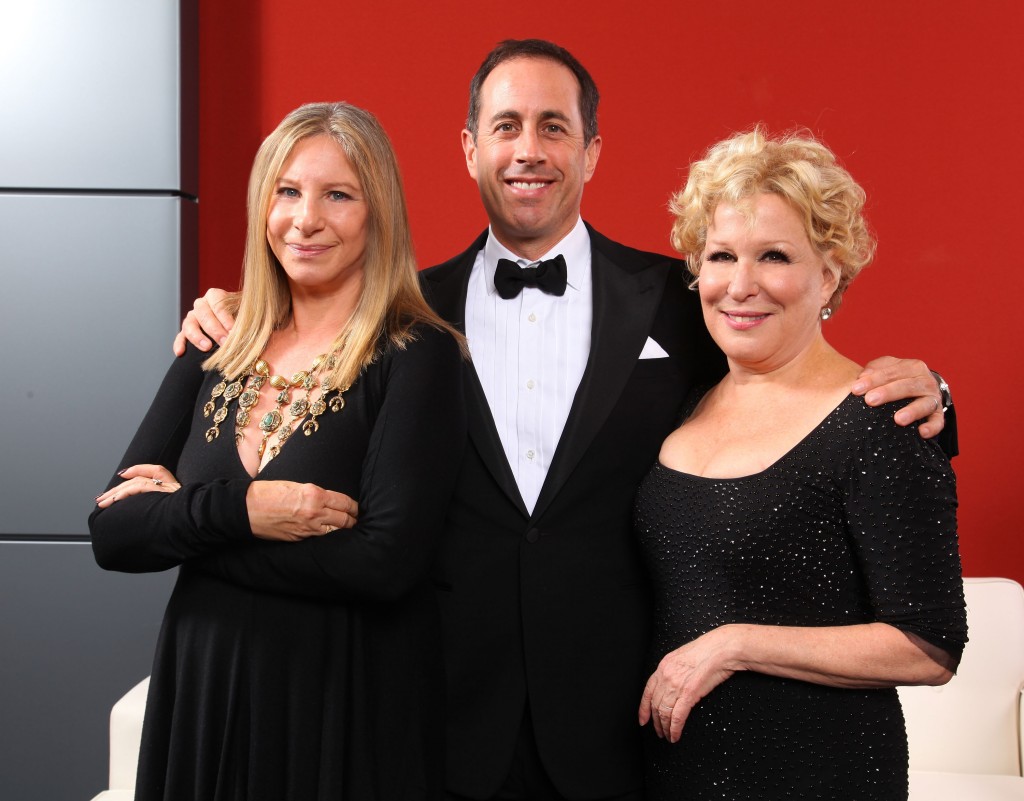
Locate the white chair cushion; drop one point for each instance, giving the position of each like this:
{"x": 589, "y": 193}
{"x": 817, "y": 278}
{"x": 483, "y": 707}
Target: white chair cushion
{"x": 935, "y": 786}
{"x": 971, "y": 724}
{"x": 125, "y": 737}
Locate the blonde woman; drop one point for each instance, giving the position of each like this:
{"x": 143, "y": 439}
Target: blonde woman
{"x": 299, "y": 477}
{"x": 802, "y": 546}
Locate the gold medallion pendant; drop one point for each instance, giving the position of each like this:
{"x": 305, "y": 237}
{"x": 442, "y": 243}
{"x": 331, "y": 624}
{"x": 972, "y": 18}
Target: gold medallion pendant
{"x": 272, "y": 424}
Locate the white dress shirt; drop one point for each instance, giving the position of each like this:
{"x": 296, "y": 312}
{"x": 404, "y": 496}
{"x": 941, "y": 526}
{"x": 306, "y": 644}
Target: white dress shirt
{"x": 530, "y": 353}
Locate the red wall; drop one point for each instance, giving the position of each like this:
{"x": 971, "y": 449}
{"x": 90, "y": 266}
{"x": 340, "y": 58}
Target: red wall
{"x": 921, "y": 100}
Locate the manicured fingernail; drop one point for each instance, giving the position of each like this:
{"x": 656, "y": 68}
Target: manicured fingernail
{"x": 122, "y": 472}
{"x": 858, "y": 387}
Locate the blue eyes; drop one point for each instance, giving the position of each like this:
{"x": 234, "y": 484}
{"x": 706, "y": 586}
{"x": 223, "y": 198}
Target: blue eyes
{"x": 291, "y": 192}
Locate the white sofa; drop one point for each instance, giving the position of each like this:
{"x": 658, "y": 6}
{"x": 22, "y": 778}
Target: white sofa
{"x": 125, "y": 736}
{"x": 966, "y": 737}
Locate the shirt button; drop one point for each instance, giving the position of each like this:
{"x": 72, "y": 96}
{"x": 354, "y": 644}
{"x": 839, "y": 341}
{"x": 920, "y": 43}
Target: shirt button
{"x": 532, "y": 318}
{"x": 529, "y": 384}
{"x": 530, "y": 454}
{"x": 532, "y": 535}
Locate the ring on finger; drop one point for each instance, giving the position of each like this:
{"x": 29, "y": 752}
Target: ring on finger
{"x": 158, "y": 482}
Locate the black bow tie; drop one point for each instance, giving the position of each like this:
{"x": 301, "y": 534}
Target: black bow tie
{"x": 548, "y": 276}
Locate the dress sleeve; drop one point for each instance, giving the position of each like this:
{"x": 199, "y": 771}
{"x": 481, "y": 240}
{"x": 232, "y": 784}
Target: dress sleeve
{"x": 157, "y": 530}
{"x": 901, "y": 513}
{"x": 408, "y": 475}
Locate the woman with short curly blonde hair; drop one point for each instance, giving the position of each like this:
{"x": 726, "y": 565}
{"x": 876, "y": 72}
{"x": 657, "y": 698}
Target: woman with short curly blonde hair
{"x": 800, "y": 170}
{"x": 802, "y": 547}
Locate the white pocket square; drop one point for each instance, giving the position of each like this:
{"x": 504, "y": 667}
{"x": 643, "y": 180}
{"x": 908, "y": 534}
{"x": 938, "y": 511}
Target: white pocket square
{"x": 652, "y": 350}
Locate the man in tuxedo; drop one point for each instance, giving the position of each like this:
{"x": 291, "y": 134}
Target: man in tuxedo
{"x": 574, "y": 386}
{"x": 582, "y": 352}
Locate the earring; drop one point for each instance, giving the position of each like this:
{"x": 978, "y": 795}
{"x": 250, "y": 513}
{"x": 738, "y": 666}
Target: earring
{"x": 826, "y": 312}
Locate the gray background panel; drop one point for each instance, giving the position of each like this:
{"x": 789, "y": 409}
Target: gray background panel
{"x": 87, "y": 325}
{"x": 74, "y": 640}
{"x": 90, "y": 96}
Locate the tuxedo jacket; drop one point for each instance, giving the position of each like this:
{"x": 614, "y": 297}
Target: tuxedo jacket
{"x": 551, "y": 609}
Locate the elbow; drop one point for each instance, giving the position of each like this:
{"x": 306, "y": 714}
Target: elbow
{"x": 392, "y": 579}
{"x": 106, "y": 558}
{"x": 943, "y": 678}
{"x": 932, "y": 669}
{"x": 102, "y": 550}
{"x": 394, "y": 586}
{"x": 933, "y": 666}
{"x": 102, "y": 558}
{"x": 935, "y": 675}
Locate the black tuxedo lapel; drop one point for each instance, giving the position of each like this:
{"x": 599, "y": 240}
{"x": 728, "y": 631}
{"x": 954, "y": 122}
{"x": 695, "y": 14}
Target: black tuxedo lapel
{"x": 445, "y": 287}
{"x": 626, "y": 298}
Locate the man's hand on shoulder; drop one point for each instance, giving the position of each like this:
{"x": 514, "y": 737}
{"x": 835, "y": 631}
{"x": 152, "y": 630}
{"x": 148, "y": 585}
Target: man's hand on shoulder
{"x": 890, "y": 379}
{"x": 211, "y": 318}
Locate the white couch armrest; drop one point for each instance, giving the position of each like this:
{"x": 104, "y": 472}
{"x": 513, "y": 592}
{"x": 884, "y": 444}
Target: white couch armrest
{"x": 126, "y": 735}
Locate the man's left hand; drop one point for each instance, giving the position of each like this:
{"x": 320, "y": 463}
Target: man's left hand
{"x": 890, "y": 379}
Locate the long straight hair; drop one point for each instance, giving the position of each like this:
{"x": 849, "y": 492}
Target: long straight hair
{"x": 390, "y": 303}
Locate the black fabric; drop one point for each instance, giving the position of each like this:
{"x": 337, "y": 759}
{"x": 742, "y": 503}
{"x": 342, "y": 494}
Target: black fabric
{"x": 302, "y": 670}
{"x": 855, "y": 524}
{"x": 551, "y": 608}
{"x": 549, "y": 276}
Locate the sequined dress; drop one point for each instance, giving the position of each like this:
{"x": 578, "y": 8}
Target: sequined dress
{"x": 856, "y": 523}
{"x": 297, "y": 671}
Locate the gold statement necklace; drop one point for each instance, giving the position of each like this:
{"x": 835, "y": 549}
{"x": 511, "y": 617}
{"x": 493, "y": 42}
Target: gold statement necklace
{"x": 258, "y": 375}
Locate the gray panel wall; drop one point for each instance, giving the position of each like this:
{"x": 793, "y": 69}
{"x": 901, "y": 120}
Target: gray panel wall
{"x": 74, "y": 640}
{"x": 88, "y": 316}
{"x": 91, "y": 95}
{"x": 97, "y": 239}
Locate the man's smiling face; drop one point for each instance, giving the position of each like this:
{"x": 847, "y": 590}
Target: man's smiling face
{"x": 528, "y": 156}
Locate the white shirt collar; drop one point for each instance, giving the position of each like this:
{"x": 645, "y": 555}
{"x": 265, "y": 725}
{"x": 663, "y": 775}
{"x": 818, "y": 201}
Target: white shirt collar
{"x": 574, "y": 248}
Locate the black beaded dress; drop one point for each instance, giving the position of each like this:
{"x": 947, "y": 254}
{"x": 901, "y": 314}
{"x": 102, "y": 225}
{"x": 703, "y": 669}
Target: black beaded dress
{"x": 297, "y": 671}
{"x": 857, "y": 523}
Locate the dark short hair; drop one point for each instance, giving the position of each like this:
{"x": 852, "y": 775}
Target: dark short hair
{"x": 536, "y": 48}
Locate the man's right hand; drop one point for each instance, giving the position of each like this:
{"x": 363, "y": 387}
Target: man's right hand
{"x": 209, "y": 321}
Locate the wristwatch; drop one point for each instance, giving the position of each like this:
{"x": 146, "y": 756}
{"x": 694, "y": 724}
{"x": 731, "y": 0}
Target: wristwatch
{"x": 947, "y": 398}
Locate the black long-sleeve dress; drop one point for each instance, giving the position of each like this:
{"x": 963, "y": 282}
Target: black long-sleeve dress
{"x": 306, "y": 670}
{"x": 857, "y": 523}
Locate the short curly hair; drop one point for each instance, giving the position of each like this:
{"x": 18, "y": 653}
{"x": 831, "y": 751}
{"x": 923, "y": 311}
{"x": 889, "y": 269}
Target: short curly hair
{"x": 797, "y": 168}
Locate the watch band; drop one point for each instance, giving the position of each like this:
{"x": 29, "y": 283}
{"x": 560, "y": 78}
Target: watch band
{"x": 947, "y": 397}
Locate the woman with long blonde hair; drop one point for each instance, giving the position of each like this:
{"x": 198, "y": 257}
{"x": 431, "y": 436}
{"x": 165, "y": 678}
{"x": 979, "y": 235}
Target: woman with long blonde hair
{"x": 299, "y": 478}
